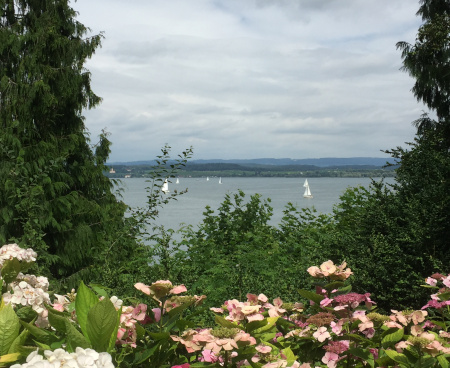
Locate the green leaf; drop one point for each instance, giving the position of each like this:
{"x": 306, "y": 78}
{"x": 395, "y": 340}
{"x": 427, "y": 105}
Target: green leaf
{"x": 57, "y": 320}
{"x": 392, "y": 337}
{"x": 397, "y": 357}
{"x": 101, "y": 323}
{"x": 334, "y": 285}
{"x": 112, "y": 342}
{"x": 42, "y": 335}
{"x": 316, "y": 298}
{"x": 75, "y": 338}
{"x": 10, "y": 270}
{"x": 426, "y": 362}
{"x": 8, "y": 358}
{"x": 26, "y": 314}
{"x": 142, "y": 356}
{"x": 444, "y": 296}
{"x": 439, "y": 323}
{"x": 290, "y": 356}
{"x": 251, "y": 326}
{"x": 365, "y": 355}
{"x": 343, "y": 290}
{"x": 42, "y": 345}
{"x": 159, "y": 335}
{"x": 84, "y": 301}
{"x": 384, "y": 361}
{"x": 178, "y": 310}
{"x": 270, "y": 323}
{"x": 9, "y": 328}
{"x": 225, "y": 323}
{"x": 19, "y": 341}
{"x": 442, "y": 361}
{"x": 99, "y": 290}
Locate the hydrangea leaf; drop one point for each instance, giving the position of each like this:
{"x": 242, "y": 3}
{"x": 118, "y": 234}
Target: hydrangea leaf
{"x": 101, "y": 323}
{"x": 18, "y": 342}
{"x": 225, "y": 323}
{"x": 84, "y": 301}
{"x": 316, "y": 298}
{"x": 364, "y": 354}
{"x": 9, "y": 328}
{"x": 398, "y": 357}
{"x": 9, "y": 358}
{"x": 393, "y": 337}
{"x": 255, "y": 325}
{"x": 270, "y": 323}
{"x": 442, "y": 361}
{"x": 75, "y": 338}
{"x": 56, "y": 320}
{"x": 10, "y": 270}
{"x": 290, "y": 356}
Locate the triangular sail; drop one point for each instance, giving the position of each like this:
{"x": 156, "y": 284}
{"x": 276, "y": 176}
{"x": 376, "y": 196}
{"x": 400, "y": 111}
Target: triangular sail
{"x": 307, "y": 193}
{"x": 165, "y": 187}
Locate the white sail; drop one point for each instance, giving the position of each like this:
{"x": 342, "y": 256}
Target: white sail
{"x": 207, "y": 178}
{"x": 220, "y": 180}
{"x": 165, "y": 187}
{"x": 307, "y": 193}
{"x": 178, "y": 181}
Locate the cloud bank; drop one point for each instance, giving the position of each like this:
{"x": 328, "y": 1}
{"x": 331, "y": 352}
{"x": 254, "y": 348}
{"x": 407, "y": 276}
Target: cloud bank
{"x": 251, "y": 78}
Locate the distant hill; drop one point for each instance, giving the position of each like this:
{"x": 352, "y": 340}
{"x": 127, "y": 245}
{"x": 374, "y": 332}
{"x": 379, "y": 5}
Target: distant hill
{"x": 318, "y": 162}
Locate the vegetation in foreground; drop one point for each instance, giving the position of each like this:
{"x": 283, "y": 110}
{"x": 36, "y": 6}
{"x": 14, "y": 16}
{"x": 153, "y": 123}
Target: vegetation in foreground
{"x": 330, "y": 327}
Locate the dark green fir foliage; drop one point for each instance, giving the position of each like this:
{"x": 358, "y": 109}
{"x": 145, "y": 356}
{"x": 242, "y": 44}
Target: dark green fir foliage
{"x": 427, "y": 62}
{"x": 53, "y": 194}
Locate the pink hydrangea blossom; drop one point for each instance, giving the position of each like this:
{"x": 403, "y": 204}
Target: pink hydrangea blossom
{"x": 160, "y": 289}
{"x": 263, "y": 349}
{"x": 330, "y": 359}
{"x": 431, "y": 281}
{"x": 185, "y": 365}
{"x": 321, "y": 334}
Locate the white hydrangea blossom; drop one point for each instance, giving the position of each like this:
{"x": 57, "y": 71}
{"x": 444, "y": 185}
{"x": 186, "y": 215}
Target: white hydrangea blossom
{"x": 40, "y": 282}
{"x": 82, "y": 358}
{"x": 22, "y": 293}
{"x": 116, "y": 302}
{"x": 10, "y": 251}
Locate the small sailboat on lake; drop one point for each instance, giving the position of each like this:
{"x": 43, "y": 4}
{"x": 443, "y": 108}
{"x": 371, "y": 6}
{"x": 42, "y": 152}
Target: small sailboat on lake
{"x": 207, "y": 178}
{"x": 165, "y": 187}
{"x": 220, "y": 180}
{"x": 307, "y": 193}
{"x": 178, "y": 181}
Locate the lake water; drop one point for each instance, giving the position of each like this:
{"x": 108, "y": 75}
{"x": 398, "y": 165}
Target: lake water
{"x": 189, "y": 207}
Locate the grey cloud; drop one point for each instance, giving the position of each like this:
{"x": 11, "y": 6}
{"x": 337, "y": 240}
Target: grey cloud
{"x": 275, "y": 79}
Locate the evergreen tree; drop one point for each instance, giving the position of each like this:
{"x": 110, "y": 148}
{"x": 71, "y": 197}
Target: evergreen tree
{"x": 428, "y": 62}
{"x": 53, "y": 194}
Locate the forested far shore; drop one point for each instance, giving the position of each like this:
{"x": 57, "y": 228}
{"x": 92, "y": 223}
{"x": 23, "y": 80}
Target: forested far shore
{"x": 237, "y": 170}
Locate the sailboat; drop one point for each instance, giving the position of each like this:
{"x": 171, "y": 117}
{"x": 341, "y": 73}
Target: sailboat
{"x": 220, "y": 180}
{"x": 307, "y": 193}
{"x": 178, "y": 181}
{"x": 207, "y": 178}
{"x": 165, "y": 187}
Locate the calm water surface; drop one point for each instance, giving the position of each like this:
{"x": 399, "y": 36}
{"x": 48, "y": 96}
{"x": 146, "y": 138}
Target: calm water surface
{"x": 189, "y": 207}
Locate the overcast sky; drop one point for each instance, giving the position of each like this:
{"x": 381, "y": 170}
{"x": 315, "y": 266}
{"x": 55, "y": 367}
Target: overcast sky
{"x": 251, "y": 78}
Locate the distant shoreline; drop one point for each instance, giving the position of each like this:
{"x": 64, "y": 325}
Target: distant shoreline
{"x": 129, "y": 172}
